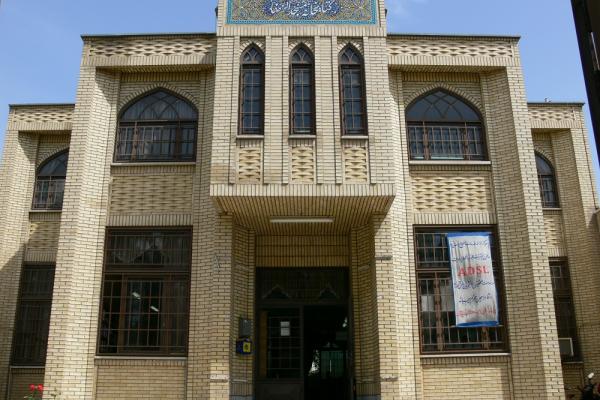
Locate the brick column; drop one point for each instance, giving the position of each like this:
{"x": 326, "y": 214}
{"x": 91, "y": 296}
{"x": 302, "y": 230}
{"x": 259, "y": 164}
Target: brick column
{"x": 219, "y": 353}
{"x": 17, "y": 177}
{"x": 73, "y": 327}
{"x": 536, "y": 367}
{"x": 395, "y": 311}
{"x": 578, "y": 202}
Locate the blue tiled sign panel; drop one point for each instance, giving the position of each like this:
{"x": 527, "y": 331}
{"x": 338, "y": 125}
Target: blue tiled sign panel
{"x": 355, "y": 12}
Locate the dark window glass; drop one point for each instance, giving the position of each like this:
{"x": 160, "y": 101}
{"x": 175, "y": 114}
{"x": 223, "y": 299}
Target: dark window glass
{"x": 252, "y": 92}
{"x": 547, "y": 181}
{"x": 443, "y": 127}
{"x": 302, "y": 92}
{"x": 33, "y": 315}
{"x": 565, "y": 310}
{"x": 157, "y": 127}
{"x": 352, "y": 93}
{"x": 436, "y": 301}
{"x": 50, "y": 183}
{"x": 145, "y": 298}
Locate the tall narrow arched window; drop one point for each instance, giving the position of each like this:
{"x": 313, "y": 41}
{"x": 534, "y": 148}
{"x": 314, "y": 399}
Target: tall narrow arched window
{"x": 50, "y": 182}
{"x": 442, "y": 126}
{"x": 352, "y": 92}
{"x": 160, "y": 126}
{"x": 302, "y": 98}
{"x": 547, "y": 181}
{"x": 252, "y": 92}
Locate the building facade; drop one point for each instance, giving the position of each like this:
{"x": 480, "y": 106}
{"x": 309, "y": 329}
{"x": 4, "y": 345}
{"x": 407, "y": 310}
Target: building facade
{"x": 262, "y": 213}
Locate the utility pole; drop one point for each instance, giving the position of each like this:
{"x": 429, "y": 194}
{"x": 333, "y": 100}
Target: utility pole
{"x": 587, "y": 24}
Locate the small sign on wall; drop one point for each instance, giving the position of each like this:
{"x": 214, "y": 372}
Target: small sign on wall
{"x": 285, "y": 329}
{"x": 243, "y": 347}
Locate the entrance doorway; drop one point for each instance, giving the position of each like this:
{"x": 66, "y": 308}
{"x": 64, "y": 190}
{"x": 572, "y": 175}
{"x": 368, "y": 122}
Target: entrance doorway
{"x": 303, "y": 335}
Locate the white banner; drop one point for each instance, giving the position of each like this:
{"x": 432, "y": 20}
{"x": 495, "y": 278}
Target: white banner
{"x": 475, "y": 296}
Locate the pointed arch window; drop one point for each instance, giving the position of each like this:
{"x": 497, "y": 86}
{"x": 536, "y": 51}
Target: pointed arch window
{"x": 547, "y": 181}
{"x": 252, "y": 92}
{"x": 441, "y": 126}
{"x": 352, "y": 92}
{"x": 302, "y": 93}
{"x": 158, "y": 127}
{"x": 50, "y": 183}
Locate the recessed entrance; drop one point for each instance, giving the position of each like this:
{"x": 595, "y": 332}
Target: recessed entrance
{"x": 303, "y": 334}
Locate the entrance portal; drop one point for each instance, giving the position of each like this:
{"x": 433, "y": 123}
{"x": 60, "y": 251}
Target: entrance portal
{"x": 303, "y": 335}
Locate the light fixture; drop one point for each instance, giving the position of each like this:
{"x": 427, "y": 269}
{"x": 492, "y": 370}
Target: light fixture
{"x": 302, "y": 220}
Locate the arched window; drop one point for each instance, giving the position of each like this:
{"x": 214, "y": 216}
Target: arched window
{"x": 443, "y": 127}
{"x": 302, "y": 98}
{"x": 252, "y": 89}
{"x": 158, "y": 127}
{"x": 547, "y": 181}
{"x": 50, "y": 182}
{"x": 352, "y": 92}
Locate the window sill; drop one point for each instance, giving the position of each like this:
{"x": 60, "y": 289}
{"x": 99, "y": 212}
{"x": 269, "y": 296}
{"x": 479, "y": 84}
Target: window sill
{"x": 465, "y": 355}
{"x": 153, "y": 164}
{"x": 551, "y": 208}
{"x": 465, "y": 359}
{"x": 250, "y": 137}
{"x": 27, "y": 367}
{"x": 355, "y": 137}
{"x": 40, "y": 211}
{"x": 302, "y": 137}
{"x": 155, "y": 358}
{"x": 448, "y": 162}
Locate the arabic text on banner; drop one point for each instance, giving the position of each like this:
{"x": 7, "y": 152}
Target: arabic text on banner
{"x": 475, "y": 296}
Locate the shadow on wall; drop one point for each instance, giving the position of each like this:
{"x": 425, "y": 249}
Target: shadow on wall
{"x": 14, "y": 382}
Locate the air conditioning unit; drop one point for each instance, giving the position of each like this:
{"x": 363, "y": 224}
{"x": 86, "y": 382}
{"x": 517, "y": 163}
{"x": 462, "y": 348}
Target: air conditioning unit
{"x": 566, "y": 347}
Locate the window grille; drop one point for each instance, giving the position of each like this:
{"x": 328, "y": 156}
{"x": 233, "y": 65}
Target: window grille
{"x": 33, "y": 315}
{"x": 302, "y": 105}
{"x": 158, "y": 127}
{"x": 50, "y": 179}
{"x": 352, "y": 93}
{"x": 547, "y": 182}
{"x": 443, "y": 127}
{"x": 252, "y": 92}
{"x": 564, "y": 306}
{"x": 145, "y": 294}
{"x": 436, "y": 300}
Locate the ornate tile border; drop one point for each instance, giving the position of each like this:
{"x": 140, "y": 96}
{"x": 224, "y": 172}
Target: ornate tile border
{"x": 351, "y": 12}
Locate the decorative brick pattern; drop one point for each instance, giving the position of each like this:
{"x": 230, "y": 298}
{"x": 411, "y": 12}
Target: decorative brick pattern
{"x": 152, "y": 46}
{"x": 452, "y": 193}
{"x": 302, "y": 251}
{"x": 44, "y": 114}
{"x": 302, "y": 161}
{"x": 250, "y": 162}
{"x": 356, "y": 162}
{"x": 43, "y": 236}
{"x": 158, "y": 194}
{"x": 555, "y": 235}
{"x": 442, "y": 47}
{"x": 370, "y": 189}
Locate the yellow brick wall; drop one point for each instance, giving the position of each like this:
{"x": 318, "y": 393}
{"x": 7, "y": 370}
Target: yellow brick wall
{"x": 21, "y": 378}
{"x": 466, "y": 378}
{"x": 140, "y": 379}
{"x": 380, "y": 255}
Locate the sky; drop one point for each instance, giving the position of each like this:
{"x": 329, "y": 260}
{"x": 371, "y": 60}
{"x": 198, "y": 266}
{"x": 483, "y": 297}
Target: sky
{"x": 40, "y": 44}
